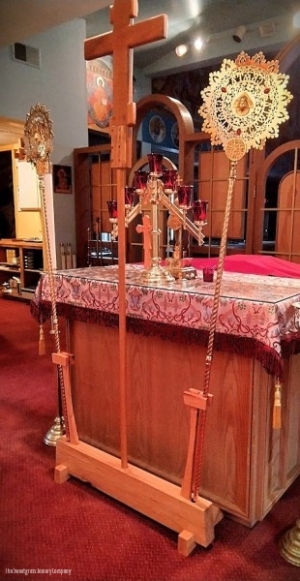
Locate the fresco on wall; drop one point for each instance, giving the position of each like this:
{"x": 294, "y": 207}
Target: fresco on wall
{"x": 99, "y": 82}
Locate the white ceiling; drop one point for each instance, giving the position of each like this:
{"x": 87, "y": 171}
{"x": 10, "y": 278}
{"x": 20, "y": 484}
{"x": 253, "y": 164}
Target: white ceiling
{"x": 20, "y": 19}
{"x": 215, "y": 19}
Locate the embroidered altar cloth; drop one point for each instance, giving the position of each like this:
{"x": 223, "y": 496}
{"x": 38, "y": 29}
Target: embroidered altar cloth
{"x": 255, "y": 308}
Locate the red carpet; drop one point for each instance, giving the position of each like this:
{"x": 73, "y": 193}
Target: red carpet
{"x": 78, "y": 533}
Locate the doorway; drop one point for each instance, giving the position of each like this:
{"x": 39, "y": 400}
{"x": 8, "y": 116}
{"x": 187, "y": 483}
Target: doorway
{"x": 7, "y": 206}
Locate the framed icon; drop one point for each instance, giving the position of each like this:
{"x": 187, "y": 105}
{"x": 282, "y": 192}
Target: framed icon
{"x": 62, "y": 179}
{"x": 157, "y": 129}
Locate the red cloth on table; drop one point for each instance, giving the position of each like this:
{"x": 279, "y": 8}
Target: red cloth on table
{"x": 253, "y": 264}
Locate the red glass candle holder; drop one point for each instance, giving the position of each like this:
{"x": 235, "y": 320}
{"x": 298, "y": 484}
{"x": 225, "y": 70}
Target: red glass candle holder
{"x": 130, "y": 193}
{"x": 185, "y": 197}
{"x": 155, "y": 163}
{"x": 140, "y": 180}
{"x": 112, "y": 209}
{"x": 169, "y": 178}
{"x": 200, "y": 211}
{"x": 208, "y": 274}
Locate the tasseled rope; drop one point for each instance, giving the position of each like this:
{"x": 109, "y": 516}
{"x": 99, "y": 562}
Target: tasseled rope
{"x": 277, "y": 406}
{"x": 42, "y": 346}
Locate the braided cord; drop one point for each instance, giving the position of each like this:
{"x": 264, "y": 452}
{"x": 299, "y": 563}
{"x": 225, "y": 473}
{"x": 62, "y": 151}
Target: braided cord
{"x": 53, "y": 300}
{"x": 212, "y": 331}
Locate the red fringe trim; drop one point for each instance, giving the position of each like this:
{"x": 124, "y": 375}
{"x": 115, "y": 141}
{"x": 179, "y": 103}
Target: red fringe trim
{"x": 245, "y": 346}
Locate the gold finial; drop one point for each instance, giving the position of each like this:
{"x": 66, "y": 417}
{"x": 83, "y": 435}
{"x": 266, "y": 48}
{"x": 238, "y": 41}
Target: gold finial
{"x": 38, "y": 138}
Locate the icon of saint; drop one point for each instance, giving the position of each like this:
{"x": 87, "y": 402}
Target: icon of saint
{"x": 242, "y": 105}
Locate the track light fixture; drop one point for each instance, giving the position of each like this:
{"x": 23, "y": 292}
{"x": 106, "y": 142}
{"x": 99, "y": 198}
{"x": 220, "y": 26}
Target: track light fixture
{"x": 296, "y": 19}
{"x": 182, "y": 49}
{"x": 239, "y": 33}
{"x": 198, "y": 43}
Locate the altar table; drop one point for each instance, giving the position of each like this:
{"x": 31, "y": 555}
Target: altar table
{"x": 247, "y": 465}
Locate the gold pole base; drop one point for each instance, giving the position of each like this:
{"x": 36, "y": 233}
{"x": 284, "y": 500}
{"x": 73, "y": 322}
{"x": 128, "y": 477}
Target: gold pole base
{"x": 289, "y": 545}
{"x": 55, "y": 432}
{"x": 156, "y": 273}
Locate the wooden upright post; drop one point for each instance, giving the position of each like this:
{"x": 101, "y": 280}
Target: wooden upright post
{"x": 120, "y": 43}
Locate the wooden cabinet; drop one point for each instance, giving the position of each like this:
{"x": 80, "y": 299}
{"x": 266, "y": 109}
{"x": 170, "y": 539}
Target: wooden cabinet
{"x": 21, "y": 264}
{"x": 214, "y": 168}
{"x": 288, "y": 236}
{"x": 95, "y": 184}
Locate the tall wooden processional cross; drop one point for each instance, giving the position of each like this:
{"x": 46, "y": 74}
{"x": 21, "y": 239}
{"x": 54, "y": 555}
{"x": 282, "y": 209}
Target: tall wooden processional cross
{"x": 120, "y": 42}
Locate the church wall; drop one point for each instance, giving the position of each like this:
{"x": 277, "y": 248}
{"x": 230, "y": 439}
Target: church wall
{"x": 59, "y": 84}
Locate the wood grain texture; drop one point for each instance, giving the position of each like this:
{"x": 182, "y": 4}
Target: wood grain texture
{"x": 246, "y": 465}
{"x": 150, "y": 495}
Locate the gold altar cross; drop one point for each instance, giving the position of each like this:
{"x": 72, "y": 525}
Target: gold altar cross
{"x": 120, "y": 42}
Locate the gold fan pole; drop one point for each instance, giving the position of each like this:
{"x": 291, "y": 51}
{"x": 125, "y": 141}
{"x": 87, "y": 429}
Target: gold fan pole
{"x": 61, "y": 420}
{"x": 242, "y": 107}
{"x": 38, "y": 145}
{"x": 62, "y": 360}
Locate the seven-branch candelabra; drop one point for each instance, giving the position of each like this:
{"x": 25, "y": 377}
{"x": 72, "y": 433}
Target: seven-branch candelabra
{"x": 157, "y": 188}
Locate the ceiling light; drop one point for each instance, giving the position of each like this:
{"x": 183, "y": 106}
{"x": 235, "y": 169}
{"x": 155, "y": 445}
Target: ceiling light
{"x": 198, "y": 43}
{"x": 296, "y": 20}
{"x": 239, "y": 33}
{"x": 181, "y": 50}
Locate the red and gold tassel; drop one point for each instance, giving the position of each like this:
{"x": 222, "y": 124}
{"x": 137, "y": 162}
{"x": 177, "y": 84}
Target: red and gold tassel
{"x": 42, "y": 347}
{"x": 277, "y": 406}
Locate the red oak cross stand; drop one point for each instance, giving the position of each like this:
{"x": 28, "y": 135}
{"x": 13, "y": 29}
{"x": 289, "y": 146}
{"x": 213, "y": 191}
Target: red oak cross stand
{"x": 145, "y": 492}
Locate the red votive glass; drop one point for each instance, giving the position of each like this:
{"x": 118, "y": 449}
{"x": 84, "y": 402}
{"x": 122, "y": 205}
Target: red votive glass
{"x": 112, "y": 208}
{"x": 208, "y": 274}
{"x": 169, "y": 178}
{"x": 155, "y": 163}
{"x": 140, "y": 180}
{"x": 200, "y": 210}
{"x": 185, "y": 197}
{"x": 130, "y": 193}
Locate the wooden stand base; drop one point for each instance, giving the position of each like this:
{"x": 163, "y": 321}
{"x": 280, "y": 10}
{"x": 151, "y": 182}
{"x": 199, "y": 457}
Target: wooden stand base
{"x": 142, "y": 491}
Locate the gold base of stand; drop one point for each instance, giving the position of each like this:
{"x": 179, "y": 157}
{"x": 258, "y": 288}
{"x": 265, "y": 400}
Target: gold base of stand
{"x": 55, "y": 432}
{"x": 156, "y": 274}
{"x": 289, "y": 545}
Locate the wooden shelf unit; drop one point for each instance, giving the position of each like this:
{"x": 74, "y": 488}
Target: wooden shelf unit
{"x": 23, "y": 260}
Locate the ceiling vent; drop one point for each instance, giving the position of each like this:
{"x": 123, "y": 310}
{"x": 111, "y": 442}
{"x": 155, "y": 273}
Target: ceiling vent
{"x": 267, "y": 29}
{"x": 26, "y": 54}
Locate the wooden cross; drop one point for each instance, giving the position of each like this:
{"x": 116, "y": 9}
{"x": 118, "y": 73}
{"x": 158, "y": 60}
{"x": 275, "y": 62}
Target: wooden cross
{"x": 145, "y": 229}
{"x": 120, "y": 42}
